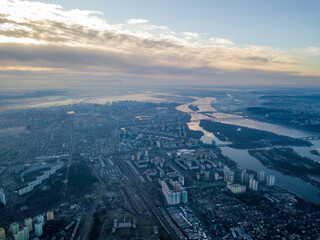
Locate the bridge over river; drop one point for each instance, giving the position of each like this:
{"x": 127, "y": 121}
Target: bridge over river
{"x": 221, "y": 119}
{"x": 310, "y": 138}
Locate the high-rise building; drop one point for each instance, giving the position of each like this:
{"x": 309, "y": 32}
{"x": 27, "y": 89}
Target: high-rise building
{"x": 270, "y": 180}
{"x": 2, "y": 234}
{"x": 14, "y": 227}
{"x": 28, "y": 223}
{"x": 243, "y": 173}
{"x": 245, "y": 177}
{"x": 184, "y": 196}
{"x": 3, "y": 197}
{"x": 261, "y": 176}
{"x": 226, "y": 169}
{"x": 181, "y": 179}
{"x": 253, "y": 184}
{"x": 165, "y": 191}
{"x": 26, "y": 232}
{"x": 228, "y": 176}
{"x": 19, "y": 235}
{"x": 251, "y": 176}
{"x": 16, "y": 236}
{"x": 176, "y": 198}
{"x": 50, "y": 216}
{"x": 40, "y": 218}
{"x": 225, "y": 176}
{"x": 231, "y": 177}
{"x": 38, "y": 229}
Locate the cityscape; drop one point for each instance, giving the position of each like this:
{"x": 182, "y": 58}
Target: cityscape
{"x": 159, "y": 120}
{"x": 139, "y": 169}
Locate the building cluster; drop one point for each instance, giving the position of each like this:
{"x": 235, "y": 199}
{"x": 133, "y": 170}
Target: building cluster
{"x": 236, "y": 188}
{"x": 30, "y": 227}
{"x": 31, "y": 185}
{"x": 186, "y": 219}
{"x": 190, "y": 160}
{"x": 12, "y": 182}
{"x": 176, "y": 195}
{"x": 36, "y": 167}
{"x": 270, "y": 180}
{"x": 256, "y": 216}
{"x": 156, "y": 128}
{"x": 201, "y": 162}
{"x": 249, "y": 179}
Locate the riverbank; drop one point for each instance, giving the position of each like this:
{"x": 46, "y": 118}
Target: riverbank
{"x": 315, "y": 152}
{"x": 288, "y": 162}
{"x": 193, "y": 107}
{"x": 294, "y": 119}
{"x": 247, "y": 138}
{"x": 295, "y": 185}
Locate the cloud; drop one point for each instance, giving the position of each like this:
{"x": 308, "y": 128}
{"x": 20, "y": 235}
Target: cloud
{"x": 190, "y": 34}
{"x": 221, "y": 41}
{"x": 314, "y": 50}
{"x": 137, "y": 21}
{"x": 44, "y": 40}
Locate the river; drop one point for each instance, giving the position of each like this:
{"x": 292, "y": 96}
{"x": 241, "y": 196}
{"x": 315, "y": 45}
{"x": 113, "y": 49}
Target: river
{"x": 242, "y": 157}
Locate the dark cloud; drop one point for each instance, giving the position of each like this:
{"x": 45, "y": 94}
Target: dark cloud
{"x": 77, "y": 52}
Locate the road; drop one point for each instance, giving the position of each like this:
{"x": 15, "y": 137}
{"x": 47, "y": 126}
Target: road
{"x": 65, "y": 182}
{"x": 88, "y": 220}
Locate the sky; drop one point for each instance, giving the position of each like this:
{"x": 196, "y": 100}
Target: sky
{"x": 62, "y": 44}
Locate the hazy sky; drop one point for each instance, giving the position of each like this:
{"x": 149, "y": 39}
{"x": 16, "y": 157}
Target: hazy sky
{"x": 57, "y": 44}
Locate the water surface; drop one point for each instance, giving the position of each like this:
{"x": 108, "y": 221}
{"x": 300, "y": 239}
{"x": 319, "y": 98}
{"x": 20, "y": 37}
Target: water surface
{"x": 242, "y": 157}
